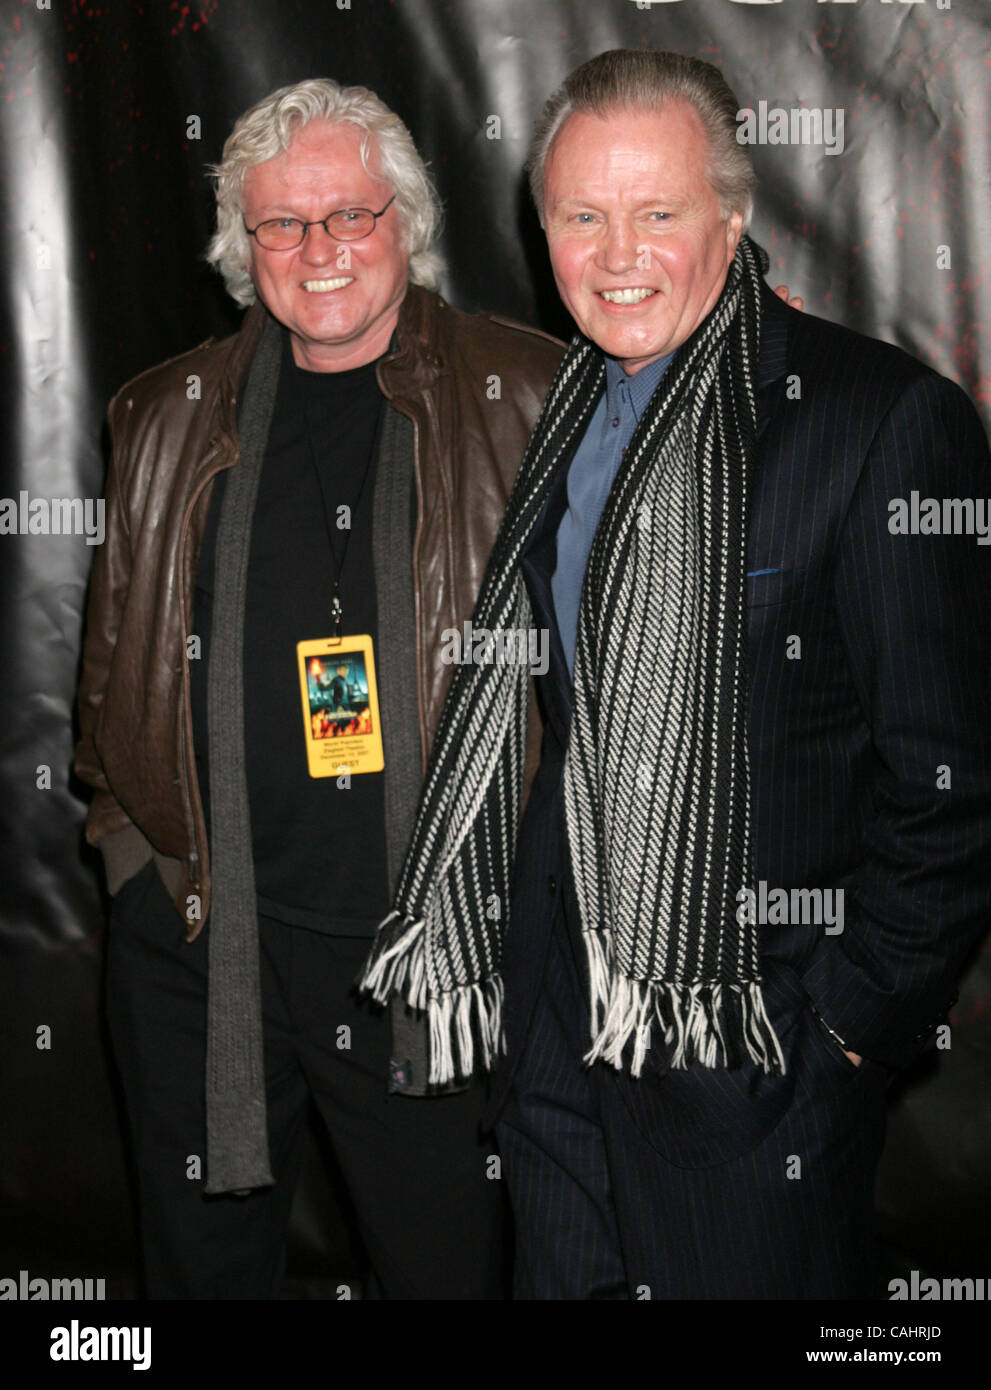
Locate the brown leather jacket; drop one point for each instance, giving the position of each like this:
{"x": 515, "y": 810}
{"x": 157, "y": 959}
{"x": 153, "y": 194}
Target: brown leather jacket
{"x": 173, "y": 430}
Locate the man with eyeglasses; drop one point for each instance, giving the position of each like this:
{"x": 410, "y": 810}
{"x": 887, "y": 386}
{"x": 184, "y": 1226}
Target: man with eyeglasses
{"x": 296, "y": 516}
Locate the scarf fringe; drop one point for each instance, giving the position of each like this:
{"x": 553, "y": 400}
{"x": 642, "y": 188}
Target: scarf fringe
{"x": 456, "y": 1019}
{"x": 700, "y": 1022}
{"x": 396, "y": 963}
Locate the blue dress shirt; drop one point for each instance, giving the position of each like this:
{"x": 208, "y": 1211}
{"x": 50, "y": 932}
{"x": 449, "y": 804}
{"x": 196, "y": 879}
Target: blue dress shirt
{"x": 590, "y": 478}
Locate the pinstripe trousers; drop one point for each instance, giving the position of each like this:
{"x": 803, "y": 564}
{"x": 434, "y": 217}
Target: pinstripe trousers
{"x": 599, "y": 1213}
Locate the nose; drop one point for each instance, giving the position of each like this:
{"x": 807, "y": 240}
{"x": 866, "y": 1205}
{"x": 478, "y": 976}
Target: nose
{"x": 318, "y": 246}
{"x": 618, "y": 246}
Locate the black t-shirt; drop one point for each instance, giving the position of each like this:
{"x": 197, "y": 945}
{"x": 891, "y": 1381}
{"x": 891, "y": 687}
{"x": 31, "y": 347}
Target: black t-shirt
{"x": 319, "y": 849}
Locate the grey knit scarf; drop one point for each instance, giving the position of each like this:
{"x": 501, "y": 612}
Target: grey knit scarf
{"x": 656, "y": 781}
{"x": 236, "y": 1127}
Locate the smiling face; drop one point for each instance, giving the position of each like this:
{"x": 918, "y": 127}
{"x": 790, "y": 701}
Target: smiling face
{"x": 638, "y": 243}
{"x": 339, "y": 299}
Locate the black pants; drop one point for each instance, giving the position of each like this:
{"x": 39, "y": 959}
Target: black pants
{"x": 600, "y": 1214}
{"x": 416, "y": 1168}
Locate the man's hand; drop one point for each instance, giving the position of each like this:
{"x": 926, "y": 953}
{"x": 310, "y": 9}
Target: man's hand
{"x": 855, "y": 1057}
{"x": 782, "y": 293}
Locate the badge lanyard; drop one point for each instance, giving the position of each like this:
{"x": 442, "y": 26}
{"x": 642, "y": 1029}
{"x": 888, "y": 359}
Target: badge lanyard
{"x": 341, "y": 724}
{"x": 336, "y": 611}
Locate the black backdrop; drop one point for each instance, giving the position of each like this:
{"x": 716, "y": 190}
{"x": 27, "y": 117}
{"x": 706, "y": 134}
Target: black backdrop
{"x": 109, "y": 111}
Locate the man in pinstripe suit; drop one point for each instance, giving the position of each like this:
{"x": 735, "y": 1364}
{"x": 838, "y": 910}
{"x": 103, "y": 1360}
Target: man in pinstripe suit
{"x": 867, "y": 687}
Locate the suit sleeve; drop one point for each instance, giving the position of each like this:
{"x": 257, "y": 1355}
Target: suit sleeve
{"x": 108, "y": 592}
{"x": 915, "y": 619}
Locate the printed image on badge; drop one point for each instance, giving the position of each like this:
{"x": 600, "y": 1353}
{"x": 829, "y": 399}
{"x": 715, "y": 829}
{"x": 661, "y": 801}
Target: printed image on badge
{"x": 340, "y": 706}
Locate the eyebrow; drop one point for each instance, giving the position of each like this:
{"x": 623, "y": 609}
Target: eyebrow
{"x": 284, "y": 210}
{"x": 668, "y": 200}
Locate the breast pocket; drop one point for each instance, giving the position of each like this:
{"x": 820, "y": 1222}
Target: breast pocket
{"x": 769, "y": 587}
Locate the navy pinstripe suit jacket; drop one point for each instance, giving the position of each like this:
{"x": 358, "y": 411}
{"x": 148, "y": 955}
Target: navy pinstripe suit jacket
{"x": 851, "y": 733}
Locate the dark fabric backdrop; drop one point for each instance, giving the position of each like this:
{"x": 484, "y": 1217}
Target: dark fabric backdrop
{"x": 106, "y": 212}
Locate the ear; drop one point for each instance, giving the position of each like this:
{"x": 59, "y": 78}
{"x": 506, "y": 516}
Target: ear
{"x": 734, "y": 230}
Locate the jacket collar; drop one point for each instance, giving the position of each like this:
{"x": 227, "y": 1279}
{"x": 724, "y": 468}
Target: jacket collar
{"x": 413, "y": 363}
{"x": 414, "y": 360}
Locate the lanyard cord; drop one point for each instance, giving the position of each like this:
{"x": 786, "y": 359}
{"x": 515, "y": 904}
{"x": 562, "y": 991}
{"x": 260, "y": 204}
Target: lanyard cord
{"x": 335, "y": 602}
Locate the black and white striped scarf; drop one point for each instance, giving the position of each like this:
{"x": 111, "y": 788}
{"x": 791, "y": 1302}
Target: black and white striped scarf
{"x": 656, "y": 780}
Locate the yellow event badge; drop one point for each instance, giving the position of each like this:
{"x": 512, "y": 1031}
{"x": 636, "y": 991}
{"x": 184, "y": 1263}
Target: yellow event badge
{"x": 340, "y": 706}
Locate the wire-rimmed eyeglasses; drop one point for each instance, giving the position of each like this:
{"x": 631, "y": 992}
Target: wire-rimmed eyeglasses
{"x": 286, "y": 233}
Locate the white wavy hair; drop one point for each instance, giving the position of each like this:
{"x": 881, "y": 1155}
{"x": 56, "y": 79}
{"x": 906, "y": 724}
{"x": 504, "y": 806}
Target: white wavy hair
{"x": 265, "y": 131}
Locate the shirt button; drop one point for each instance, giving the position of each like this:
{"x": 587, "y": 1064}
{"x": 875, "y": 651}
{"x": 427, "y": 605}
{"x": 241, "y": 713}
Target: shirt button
{"x": 552, "y": 885}
{"x": 615, "y": 422}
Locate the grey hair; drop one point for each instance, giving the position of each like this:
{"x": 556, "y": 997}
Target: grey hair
{"x": 629, "y": 79}
{"x": 265, "y": 131}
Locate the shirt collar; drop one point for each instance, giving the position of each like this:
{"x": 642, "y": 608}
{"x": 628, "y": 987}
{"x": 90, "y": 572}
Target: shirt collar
{"x": 639, "y": 387}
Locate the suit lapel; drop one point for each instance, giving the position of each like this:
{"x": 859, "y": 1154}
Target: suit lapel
{"x": 773, "y": 357}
